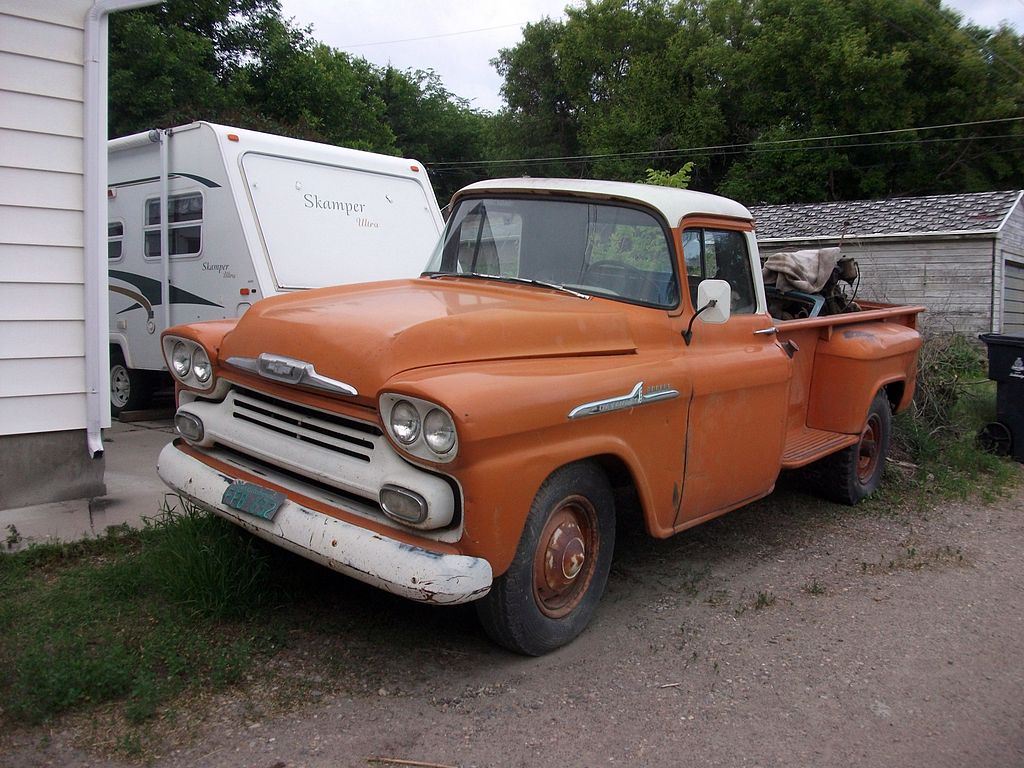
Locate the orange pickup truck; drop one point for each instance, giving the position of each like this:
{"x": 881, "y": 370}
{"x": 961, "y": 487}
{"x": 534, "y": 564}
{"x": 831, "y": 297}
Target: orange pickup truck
{"x": 461, "y": 436}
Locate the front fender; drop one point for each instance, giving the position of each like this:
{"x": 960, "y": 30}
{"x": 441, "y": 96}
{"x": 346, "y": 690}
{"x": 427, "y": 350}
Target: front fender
{"x": 515, "y": 430}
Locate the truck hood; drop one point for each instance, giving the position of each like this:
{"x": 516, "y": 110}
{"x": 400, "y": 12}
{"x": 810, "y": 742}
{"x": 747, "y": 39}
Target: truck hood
{"x": 365, "y": 334}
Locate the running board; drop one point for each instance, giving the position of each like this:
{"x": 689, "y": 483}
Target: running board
{"x": 809, "y": 445}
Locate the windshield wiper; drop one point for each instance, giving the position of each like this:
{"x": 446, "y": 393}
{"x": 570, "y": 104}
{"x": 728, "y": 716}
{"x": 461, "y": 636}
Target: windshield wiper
{"x": 510, "y": 279}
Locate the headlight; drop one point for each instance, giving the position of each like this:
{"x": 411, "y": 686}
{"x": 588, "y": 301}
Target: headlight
{"x": 439, "y": 431}
{"x": 420, "y": 428}
{"x": 181, "y": 359}
{"x": 188, "y": 362}
{"x": 201, "y": 367}
{"x": 405, "y": 422}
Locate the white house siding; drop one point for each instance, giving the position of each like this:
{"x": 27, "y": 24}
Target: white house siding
{"x": 42, "y": 294}
{"x": 42, "y": 381}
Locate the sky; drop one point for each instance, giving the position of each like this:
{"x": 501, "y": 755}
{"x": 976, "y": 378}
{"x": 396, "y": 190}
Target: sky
{"x": 458, "y": 38}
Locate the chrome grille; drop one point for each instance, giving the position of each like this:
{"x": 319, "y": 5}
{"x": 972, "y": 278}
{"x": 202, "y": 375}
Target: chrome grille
{"x": 341, "y": 435}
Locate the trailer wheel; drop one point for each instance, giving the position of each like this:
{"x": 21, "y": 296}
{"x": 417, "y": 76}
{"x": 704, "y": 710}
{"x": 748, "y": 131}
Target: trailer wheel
{"x": 129, "y": 389}
{"x": 549, "y": 593}
{"x": 855, "y": 473}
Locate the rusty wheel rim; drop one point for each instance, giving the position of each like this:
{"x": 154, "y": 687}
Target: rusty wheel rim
{"x": 566, "y": 556}
{"x": 869, "y": 449}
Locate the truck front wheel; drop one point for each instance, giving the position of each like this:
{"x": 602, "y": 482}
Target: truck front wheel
{"x": 856, "y": 472}
{"x": 551, "y": 589}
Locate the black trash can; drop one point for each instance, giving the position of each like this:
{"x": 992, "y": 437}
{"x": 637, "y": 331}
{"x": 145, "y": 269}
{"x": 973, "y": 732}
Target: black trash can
{"x": 1006, "y": 368}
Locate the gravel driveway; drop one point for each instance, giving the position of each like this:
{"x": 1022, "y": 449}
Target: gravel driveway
{"x": 792, "y": 633}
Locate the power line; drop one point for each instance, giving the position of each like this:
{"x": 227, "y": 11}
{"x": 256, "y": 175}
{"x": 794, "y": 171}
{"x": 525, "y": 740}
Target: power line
{"x": 434, "y": 37}
{"x": 721, "y": 149}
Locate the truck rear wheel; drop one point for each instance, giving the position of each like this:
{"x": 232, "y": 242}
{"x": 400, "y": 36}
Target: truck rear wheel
{"x": 550, "y": 591}
{"x": 129, "y": 389}
{"x": 855, "y": 473}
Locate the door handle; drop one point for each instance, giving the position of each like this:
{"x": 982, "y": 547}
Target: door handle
{"x": 767, "y": 331}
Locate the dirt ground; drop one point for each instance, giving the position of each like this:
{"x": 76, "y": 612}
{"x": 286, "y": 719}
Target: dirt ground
{"x": 791, "y": 633}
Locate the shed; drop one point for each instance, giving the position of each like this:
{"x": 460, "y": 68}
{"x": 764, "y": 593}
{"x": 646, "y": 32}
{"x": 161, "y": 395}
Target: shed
{"x": 53, "y": 325}
{"x": 961, "y": 256}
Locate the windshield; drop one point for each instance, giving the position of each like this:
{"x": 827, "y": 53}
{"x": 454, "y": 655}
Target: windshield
{"x": 600, "y": 249}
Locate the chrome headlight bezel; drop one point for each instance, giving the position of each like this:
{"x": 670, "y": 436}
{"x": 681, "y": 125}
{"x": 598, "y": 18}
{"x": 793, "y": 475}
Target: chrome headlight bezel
{"x": 180, "y": 350}
{"x": 434, "y": 450}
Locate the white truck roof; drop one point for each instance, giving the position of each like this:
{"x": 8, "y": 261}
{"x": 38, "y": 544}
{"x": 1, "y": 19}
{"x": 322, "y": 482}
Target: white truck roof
{"x": 673, "y": 203}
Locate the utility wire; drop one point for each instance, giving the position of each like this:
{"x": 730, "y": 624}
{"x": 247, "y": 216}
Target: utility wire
{"x": 754, "y": 146}
{"x": 434, "y": 37}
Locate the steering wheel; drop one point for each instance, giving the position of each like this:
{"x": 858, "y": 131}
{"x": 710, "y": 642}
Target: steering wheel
{"x": 608, "y": 269}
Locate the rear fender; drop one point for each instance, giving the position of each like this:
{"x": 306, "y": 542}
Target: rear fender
{"x": 852, "y": 365}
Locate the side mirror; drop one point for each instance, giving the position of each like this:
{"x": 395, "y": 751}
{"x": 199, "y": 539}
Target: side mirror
{"x": 714, "y": 305}
{"x": 714, "y": 301}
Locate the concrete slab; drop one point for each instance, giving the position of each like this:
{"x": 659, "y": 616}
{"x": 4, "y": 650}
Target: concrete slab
{"x": 134, "y": 492}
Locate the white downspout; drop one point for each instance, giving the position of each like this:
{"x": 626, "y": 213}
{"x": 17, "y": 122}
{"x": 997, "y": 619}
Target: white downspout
{"x": 165, "y": 252}
{"x": 94, "y": 136}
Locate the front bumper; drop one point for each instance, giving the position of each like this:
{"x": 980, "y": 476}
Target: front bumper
{"x": 392, "y": 565}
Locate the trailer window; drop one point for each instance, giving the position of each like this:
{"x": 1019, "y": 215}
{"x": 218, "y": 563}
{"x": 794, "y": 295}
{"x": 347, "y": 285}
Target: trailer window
{"x": 185, "y": 225}
{"x": 115, "y": 239}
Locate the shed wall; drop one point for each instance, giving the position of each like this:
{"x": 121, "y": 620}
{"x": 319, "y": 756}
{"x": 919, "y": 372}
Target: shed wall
{"x": 1011, "y": 260}
{"x": 952, "y": 278}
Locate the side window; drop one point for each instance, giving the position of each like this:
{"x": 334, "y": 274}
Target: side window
{"x": 185, "y": 225}
{"x": 720, "y": 255}
{"x": 115, "y": 239}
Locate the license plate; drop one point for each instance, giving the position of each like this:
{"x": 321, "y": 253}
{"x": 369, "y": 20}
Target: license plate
{"x": 253, "y": 499}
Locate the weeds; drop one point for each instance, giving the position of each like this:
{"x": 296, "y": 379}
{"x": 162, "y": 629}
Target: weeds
{"x": 815, "y": 588}
{"x": 953, "y": 399}
{"x": 134, "y": 617}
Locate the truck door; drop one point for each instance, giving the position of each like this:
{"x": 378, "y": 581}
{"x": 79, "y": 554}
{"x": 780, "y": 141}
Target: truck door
{"x": 740, "y": 378}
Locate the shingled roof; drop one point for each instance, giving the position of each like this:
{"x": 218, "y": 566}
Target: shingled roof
{"x": 898, "y": 216}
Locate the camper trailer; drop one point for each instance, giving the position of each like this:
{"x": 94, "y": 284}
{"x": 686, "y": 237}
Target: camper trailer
{"x": 205, "y": 219}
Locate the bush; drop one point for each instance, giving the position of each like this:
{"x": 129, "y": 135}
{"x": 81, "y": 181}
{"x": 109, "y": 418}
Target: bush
{"x": 952, "y": 400}
{"x": 948, "y": 367}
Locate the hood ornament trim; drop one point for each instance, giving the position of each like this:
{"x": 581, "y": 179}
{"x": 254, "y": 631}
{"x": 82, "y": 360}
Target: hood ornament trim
{"x": 288, "y": 370}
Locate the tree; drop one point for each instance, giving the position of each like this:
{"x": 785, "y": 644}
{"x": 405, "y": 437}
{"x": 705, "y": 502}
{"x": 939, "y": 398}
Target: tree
{"x": 773, "y": 100}
{"x": 238, "y": 62}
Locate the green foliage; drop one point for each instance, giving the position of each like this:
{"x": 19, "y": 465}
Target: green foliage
{"x": 238, "y": 62}
{"x": 135, "y": 617}
{"x": 953, "y": 399}
{"x": 678, "y": 180}
{"x": 758, "y": 81}
{"x": 745, "y": 89}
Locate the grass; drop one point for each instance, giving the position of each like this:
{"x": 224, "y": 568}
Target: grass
{"x": 134, "y": 618}
{"x": 937, "y": 437}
